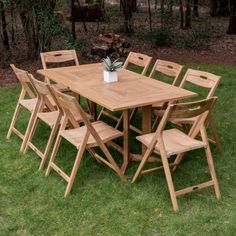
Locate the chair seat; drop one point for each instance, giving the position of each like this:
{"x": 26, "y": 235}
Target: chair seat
{"x": 50, "y": 118}
{"x": 29, "y": 104}
{"x": 106, "y": 133}
{"x": 175, "y": 142}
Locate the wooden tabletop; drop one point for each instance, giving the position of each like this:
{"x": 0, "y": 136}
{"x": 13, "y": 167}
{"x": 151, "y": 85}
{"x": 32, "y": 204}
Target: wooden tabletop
{"x": 132, "y": 90}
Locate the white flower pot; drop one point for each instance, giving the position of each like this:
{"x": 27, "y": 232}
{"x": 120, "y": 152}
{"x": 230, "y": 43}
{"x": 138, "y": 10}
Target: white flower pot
{"x": 109, "y": 76}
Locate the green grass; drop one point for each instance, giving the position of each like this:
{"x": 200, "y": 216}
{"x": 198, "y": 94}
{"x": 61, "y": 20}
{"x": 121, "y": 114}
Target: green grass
{"x": 99, "y": 203}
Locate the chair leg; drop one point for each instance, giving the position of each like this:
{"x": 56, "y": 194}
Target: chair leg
{"x": 13, "y": 121}
{"x": 49, "y": 143}
{"x": 112, "y": 161}
{"x": 29, "y": 128}
{"x": 215, "y": 133}
{"x": 100, "y": 113}
{"x": 54, "y": 153}
{"x": 212, "y": 171}
{"x": 119, "y": 121}
{"x": 31, "y": 135}
{"x": 155, "y": 123}
{"x": 76, "y": 165}
{"x": 169, "y": 180}
{"x": 177, "y": 161}
{"x": 142, "y": 164}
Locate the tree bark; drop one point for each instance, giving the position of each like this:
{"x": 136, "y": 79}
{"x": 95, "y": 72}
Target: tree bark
{"x": 181, "y": 10}
{"x": 150, "y": 15}
{"x": 188, "y": 15}
{"x": 195, "y": 8}
{"x": 127, "y": 11}
{"x": 214, "y": 6}
{"x": 232, "y": 18}
{"x": 134, "y": 6}
{"x": 223, "y": 9}
{"x": 72, "y": 8}
{"x": 5, "y": 38}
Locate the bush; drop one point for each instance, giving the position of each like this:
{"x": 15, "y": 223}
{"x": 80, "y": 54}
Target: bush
{"x": 160, "y": 36}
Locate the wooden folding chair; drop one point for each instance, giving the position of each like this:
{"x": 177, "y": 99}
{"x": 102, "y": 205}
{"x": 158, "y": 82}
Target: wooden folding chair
{"x": 82, "y": 137}
{"x": 171, "y": 142}
{"x": 57, "y": 58}
{"x": 166, "y": 68}
{"x": 46, "y": 112}
{"x": 27, "y": 100}
{"x": 205, "y": 80}
{"x": 133, "y": 58}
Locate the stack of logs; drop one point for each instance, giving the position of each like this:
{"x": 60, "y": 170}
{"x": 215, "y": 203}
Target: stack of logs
{"x": 111, "y": 45}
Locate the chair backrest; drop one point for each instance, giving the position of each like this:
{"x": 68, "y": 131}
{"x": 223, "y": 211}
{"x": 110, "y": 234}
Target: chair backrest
{"x": 199, "y": 109}
{"x": 168, "y": 68}
{"x": 68, "y": 104}
{"x": 24, "y": 79}
{"x": 43, "y": 93}
{"x": 202, "y": 79}
{"x": 70, "y": 107}
{"x": 58, "y": 57}
{"x": 138, "y": 59}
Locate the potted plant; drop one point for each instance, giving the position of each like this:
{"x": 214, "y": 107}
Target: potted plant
{"x": 110, "y": 69}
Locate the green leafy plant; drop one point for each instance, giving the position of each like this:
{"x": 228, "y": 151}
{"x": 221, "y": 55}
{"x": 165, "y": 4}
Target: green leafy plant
{"x": 112, "y": 66}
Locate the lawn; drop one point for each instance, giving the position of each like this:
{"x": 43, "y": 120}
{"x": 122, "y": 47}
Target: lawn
{"x": 99, "y": 203}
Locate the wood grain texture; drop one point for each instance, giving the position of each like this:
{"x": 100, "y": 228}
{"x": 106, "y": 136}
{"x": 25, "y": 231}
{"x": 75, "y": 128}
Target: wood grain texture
{"x": 132, "y": 90}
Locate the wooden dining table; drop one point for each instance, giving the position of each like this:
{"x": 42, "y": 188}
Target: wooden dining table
{"x": 131, "y": 91}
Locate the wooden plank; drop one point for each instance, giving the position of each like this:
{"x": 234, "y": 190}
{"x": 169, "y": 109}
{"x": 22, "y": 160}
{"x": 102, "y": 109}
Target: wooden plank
{"x": 146, "y": 122}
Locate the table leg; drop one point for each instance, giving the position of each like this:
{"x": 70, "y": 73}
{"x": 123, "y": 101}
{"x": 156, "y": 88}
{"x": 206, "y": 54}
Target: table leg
{"x": 126, "y": 140}
{"x": 146, "y": 122}
{"x": 93, "y": 109}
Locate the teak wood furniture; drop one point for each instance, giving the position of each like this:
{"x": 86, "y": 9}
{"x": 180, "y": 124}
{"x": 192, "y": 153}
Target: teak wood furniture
{"x": 207, "y": 81}
{"x": 27, "y": 99}
{"x": 88, "y": 136}
{"x": 171, "y": 142}
{"x": 131, "y": 91}
{"x": 167, "y": 68}
{"x": 46, "y": 112}
{"x": 58, "y": 57}
{"x": 133, "y": 58}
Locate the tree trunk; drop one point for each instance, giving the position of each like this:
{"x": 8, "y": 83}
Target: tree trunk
{"x": 170, "y": 7}
{"x": 223, "y": 8}
{"x": 188, "y": 15}
{"x": 134, "y": 6}
{"x": 181, "y": 10}
{"x": 127, "y": 11}
{"x": 5, "y": 38}
{"x": 155, "y": 6}
{"x": 232, "y": 18}
{"x": 195, "y": 8}
{"x": 150, "y": 15}
{"x": 214, "y": 6}
{"x": 72, "y": 8}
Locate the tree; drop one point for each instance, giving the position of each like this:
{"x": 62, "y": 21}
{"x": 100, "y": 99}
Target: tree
{"x": 37, "y": 18}
{"x": 188, "y": 15}
{"x": 195, "y": 8}
{"x": 213, "y": 5}
{"x": 232, "y": 18}
{"x": 150, "y": 15}
{"x": 126, "y": 6}
{"x": 72, "y": 7}
{"x": 5, "y": 38}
